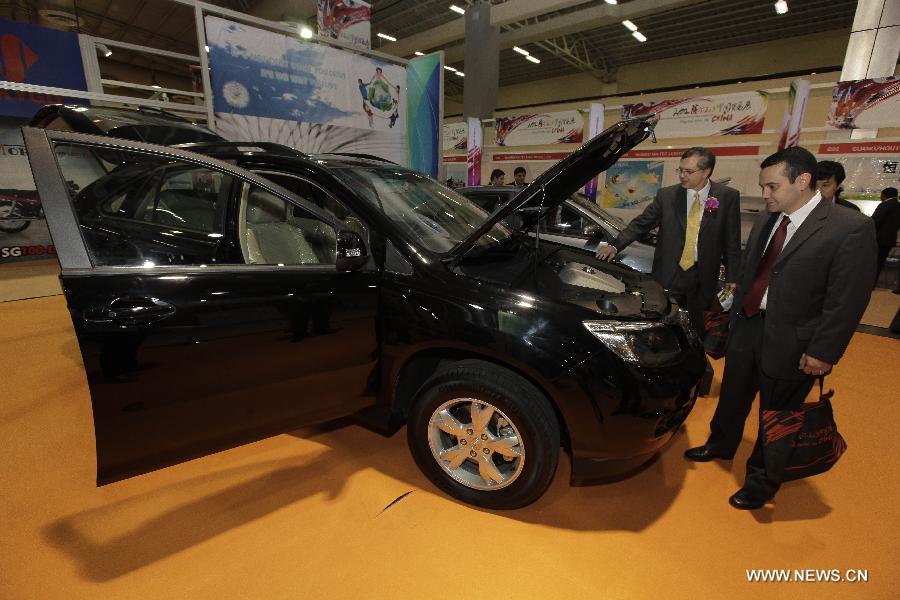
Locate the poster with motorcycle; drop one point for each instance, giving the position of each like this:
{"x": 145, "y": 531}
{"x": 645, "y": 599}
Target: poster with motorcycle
{"x": 23, "y": 230}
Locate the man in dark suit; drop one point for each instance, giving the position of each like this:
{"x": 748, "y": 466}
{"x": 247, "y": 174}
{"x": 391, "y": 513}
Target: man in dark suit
{"x": 887, "y": 221}
{"x": 830, "y": 175}
{"x": 808, "y": 272}
{"x": 699, "y": 228}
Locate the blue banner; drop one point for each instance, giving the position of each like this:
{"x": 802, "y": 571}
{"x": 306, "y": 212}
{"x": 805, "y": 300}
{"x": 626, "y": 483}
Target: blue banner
{"x": 424, "y": 82}
{"x": 37, "y": 56}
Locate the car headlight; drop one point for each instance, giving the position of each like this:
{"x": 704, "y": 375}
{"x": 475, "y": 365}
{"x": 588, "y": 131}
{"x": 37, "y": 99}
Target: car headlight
{"x": 637, "y": 342}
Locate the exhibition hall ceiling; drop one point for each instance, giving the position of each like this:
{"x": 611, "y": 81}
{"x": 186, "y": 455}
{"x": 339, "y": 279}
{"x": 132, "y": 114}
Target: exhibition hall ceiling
{"x": 567, "y": 36}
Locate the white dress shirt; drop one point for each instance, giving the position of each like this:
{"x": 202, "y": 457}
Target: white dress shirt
{"x": 704, "y": 194}
{"x": 797, "y": 218}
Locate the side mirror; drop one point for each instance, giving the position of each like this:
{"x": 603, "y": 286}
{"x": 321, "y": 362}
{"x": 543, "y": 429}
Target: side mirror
{"x": 592, "y": 231}
{"x": 351, "y": 251}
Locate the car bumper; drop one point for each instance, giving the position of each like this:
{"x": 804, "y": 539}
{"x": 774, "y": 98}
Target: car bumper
{"x": 632, "y": 414}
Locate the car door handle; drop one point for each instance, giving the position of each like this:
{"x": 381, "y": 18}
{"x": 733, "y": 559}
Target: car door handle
{"x": 130, "y": 311}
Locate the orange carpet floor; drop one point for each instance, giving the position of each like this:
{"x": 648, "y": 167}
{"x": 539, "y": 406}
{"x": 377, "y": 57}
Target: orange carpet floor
{"x": 302, "y": 515}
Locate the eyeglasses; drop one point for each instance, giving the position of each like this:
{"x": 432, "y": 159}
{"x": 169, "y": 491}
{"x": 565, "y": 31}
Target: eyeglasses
{"x": 687, "y": 172}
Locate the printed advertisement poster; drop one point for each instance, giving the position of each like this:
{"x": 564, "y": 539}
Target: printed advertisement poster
{"x": 566, "y": 127}
{"x": 37, "y": 56}
{"x": 595, "y": 126}
{"x": 474, "y": 152}
{"x": 23, "y": 229}
{"x": 455, "y": 136}
{"x": 272, "y": 87}
{"x": 865, "y": 104}
{"x": 455, "y": 174}
{"x": 725, "y": 114}
{"x": 632, "y": 183}
{"x": 798, "y": 97}
{"x": 345, "y": 21}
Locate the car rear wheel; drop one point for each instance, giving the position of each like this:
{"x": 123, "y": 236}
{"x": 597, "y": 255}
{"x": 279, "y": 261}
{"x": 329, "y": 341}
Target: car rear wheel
{"x": 484, "y": 435}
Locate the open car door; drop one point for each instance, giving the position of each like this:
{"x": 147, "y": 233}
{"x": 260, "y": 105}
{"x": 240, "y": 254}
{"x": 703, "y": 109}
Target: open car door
{"x": 207, "y": 301}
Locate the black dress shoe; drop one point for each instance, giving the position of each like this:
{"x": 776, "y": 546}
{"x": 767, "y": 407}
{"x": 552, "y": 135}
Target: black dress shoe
{"x": 704, "y": 453}
{"x": 744, "y": 499}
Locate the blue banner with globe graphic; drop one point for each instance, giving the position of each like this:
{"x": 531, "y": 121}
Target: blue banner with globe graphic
{"x": 274, "y": 87}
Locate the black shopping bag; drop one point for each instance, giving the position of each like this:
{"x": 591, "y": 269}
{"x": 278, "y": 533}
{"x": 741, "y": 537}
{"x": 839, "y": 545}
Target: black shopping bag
{"x": 715, "y": 333}
{"x": 801, "y": 443}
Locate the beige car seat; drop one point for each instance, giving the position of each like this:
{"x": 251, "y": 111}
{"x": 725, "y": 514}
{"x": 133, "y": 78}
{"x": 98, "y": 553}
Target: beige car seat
{"x": 270, "y": 238}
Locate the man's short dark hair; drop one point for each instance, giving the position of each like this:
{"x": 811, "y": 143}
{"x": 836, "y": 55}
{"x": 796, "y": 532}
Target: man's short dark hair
{"x": 830, "y": 168}
{"x": 705, "y": 158}
{"x": 796, "y": 160}
{"x": 890, "y": 192}
{"x": 519, "y": 170}
{"x": 497, "y": 173}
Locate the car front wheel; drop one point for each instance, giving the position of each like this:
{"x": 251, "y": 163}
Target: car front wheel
{"x": 484, "y": 435}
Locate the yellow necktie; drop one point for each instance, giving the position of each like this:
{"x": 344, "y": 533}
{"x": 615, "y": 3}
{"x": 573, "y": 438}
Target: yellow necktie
{"x": 690, "y": 234}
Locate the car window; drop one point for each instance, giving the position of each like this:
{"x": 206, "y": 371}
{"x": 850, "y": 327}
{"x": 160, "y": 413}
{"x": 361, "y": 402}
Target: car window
{"x": 138, "y": 209}
{"x": 316, "y": 195}
{"x": 275, "y": 232}
{"x": 488, "y": 202}
{"x": 563, "y": 220}
{"x": 433, "y": 216}
{"x": 189, "y": 198}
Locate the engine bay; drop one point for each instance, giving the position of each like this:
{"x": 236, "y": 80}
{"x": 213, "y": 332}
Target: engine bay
{"x": 570, "y": 275}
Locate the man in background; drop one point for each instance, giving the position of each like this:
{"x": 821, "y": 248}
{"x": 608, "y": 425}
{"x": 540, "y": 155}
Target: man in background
{"x": 519, "y": 177}
{"x": 887, "y": 221}
{"x": 830, "y": 175}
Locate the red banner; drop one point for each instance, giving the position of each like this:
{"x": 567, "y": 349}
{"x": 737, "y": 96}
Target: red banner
{"x": 523, "y": 156}
{"x": 455, "y": 159}
{"x": 861, "y": 148}
{"x": 677, "y": 152}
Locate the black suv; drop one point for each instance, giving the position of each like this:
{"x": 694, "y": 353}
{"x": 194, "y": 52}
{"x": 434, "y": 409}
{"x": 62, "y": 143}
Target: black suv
{"x": 241, "y": 290}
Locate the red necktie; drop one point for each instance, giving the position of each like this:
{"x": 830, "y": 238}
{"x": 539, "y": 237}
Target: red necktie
{"x": 764, "y": 271}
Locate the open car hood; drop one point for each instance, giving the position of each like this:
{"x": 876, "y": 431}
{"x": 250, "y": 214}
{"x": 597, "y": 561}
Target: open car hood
{"x": 556, "y": 184}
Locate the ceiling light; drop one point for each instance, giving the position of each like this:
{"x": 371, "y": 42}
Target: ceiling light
{"x": 419, "y": 53}
{"x": 639, "y": 36}
{"x": 105, "y": 50}
{"x": 389, "y": 38}
{"x": 631, "y": 26}
{"x": 306, "y": 33}
{"x": 781, "y": 7}
{"x": 457, "y": 9}
{"x": 460, "y": 73}
{"x": 449, "y": 68}
{"x": 612, "y": 1}
{"x": 533, "y": 59}
{"x": 521, "y": 51}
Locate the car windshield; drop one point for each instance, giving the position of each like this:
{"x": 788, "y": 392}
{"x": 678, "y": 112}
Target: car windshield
{"x": 591, "y": 207}
{"x": 432, "y": 215}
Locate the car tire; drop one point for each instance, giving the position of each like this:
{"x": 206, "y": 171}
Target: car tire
{"x": 493, "y": 417}
{"x": 7, "y": 224}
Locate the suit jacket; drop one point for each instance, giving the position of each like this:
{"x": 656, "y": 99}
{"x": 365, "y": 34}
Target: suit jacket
{"x": 819, "y": 289}
{"x": 719, "y": 238}
{"x": 887, "y": 220}
{"x": 841, "y": 202}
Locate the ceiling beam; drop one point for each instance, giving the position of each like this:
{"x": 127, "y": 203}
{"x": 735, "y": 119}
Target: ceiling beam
{"x": 501, "y": 14}
{"x": 594, "y": 17}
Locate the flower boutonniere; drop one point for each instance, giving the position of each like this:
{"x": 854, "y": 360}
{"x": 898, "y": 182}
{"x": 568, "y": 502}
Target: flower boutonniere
{"x": 711, "y": 205}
